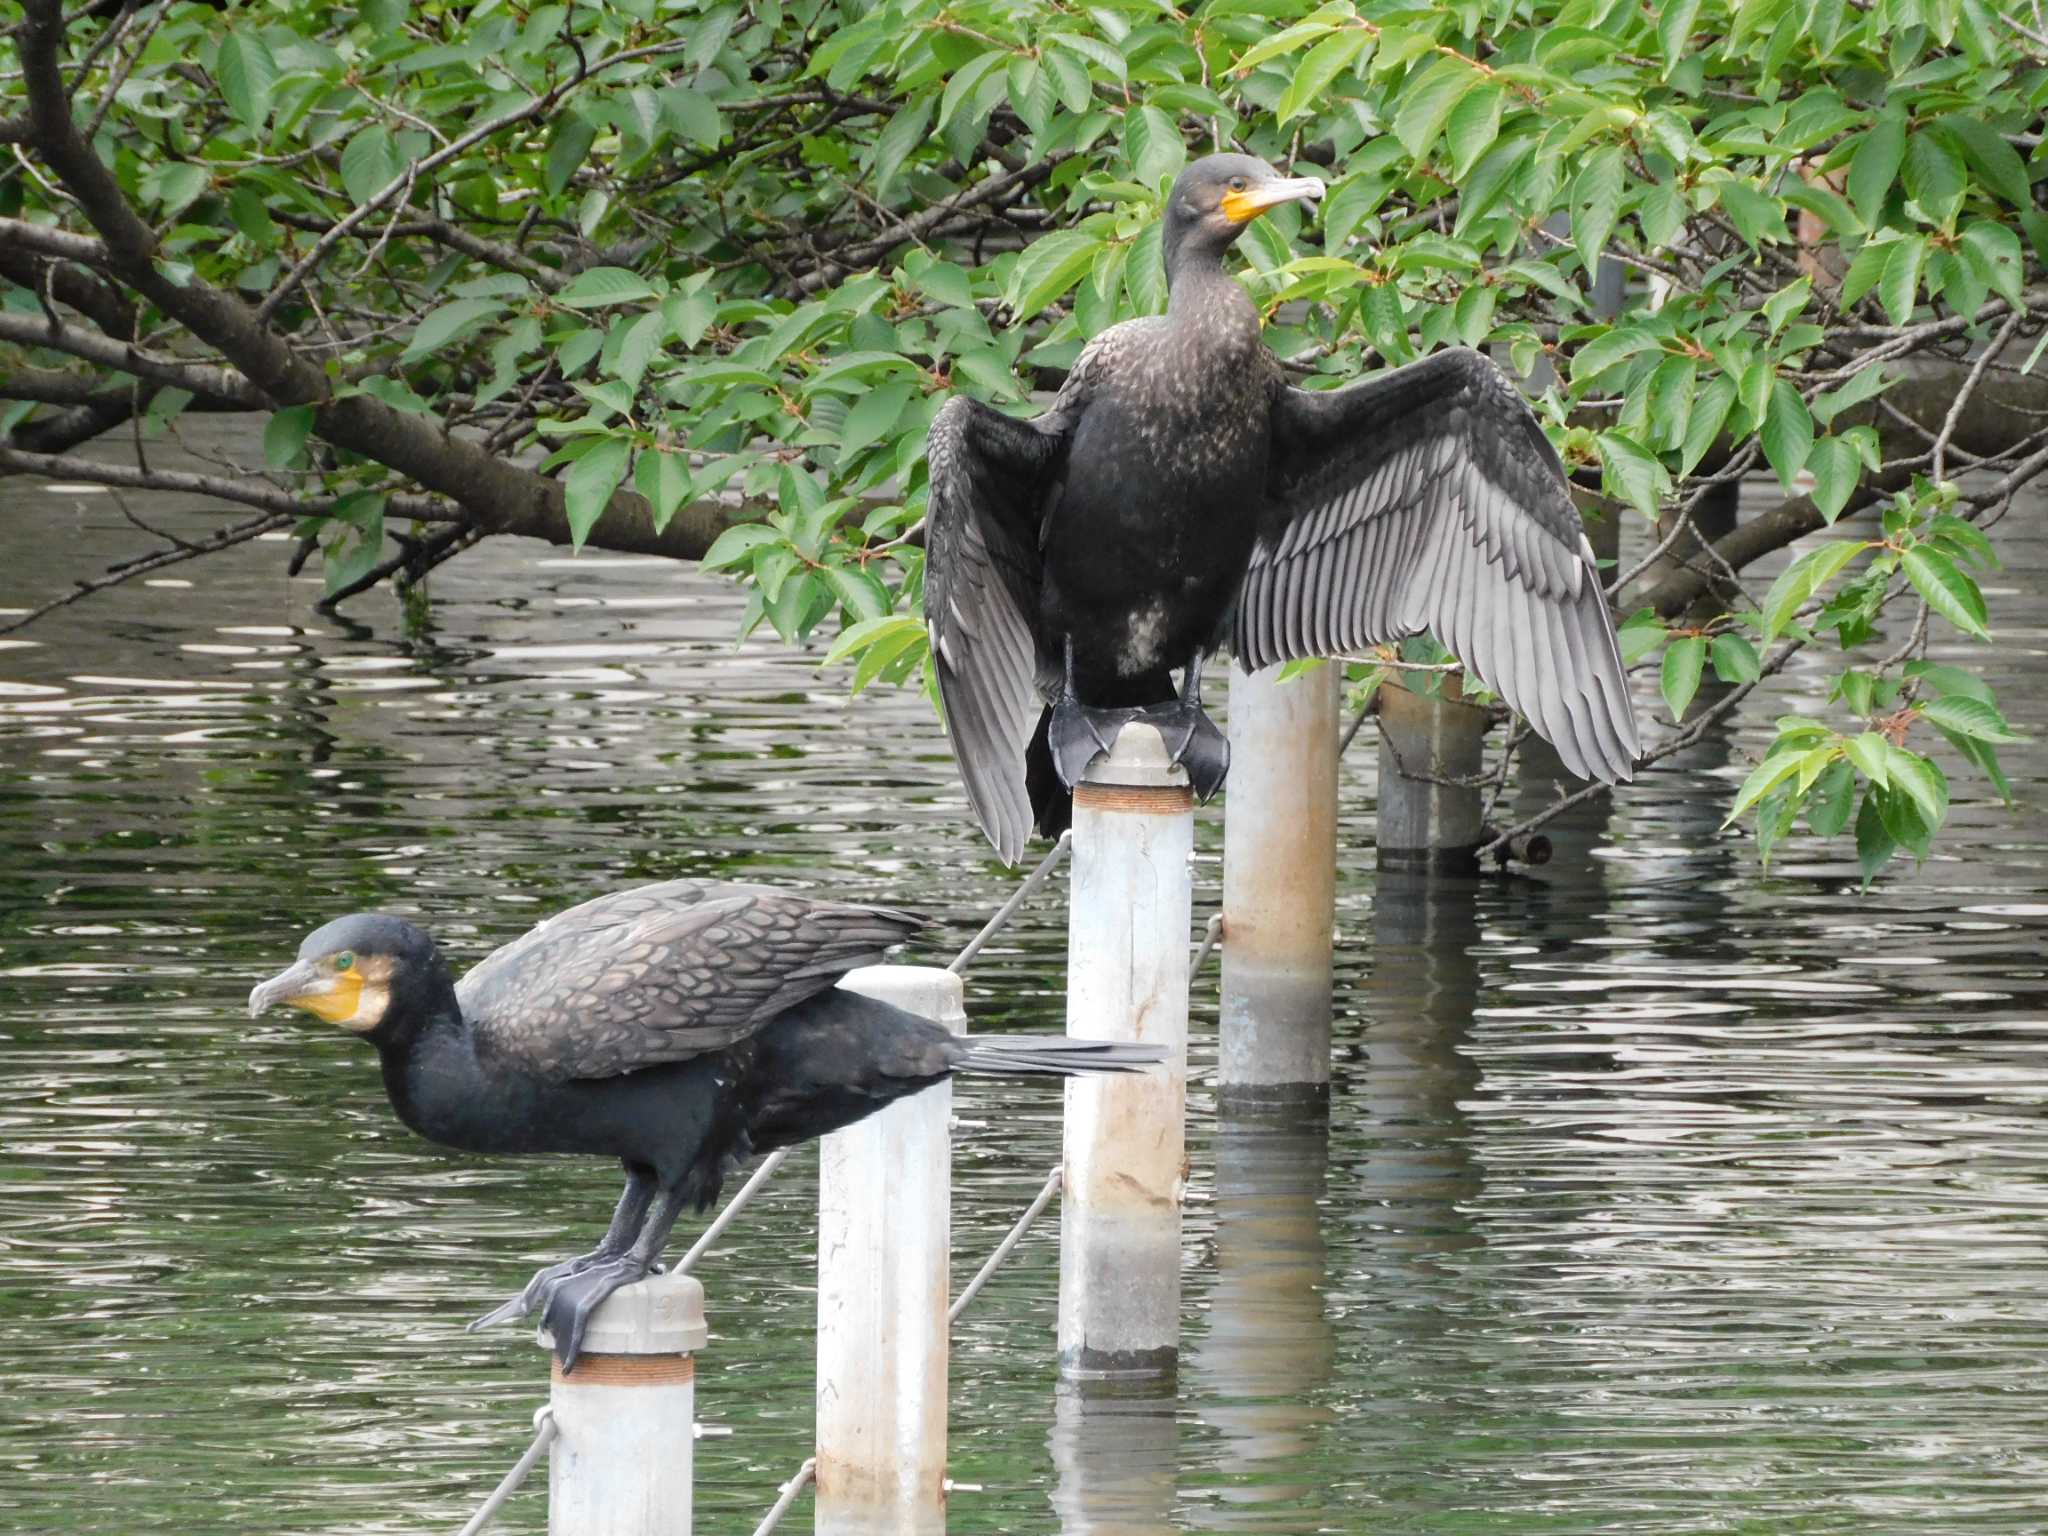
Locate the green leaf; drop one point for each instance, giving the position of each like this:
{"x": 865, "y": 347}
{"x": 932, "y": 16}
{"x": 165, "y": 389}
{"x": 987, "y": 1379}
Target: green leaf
{"x": 871, "y": 415}
{"x": 1875, "y": 166}
{"x": 1949, "y": 591}
{"x": 1766, "y": 776}
{"x": 738, "y": 544}
{"x": 1970, "y": 717}
{"x": 1321, "y": 65}
{"x": 450, "y": 323}
{"x": 1871, "y": 753}
{"x": 1473, "y": 125}
{"x": 1048, "y": 268}
{"x": 1898, "y": 286}
{"x": 1922, "y": 782}
{"x": 1831, "y": 799}
{"x": 370, "y": 163}
{"x": 1710, "y": 407}
{"x": 598, "y": 286}
{"x": 1596, "y": 202}
{"x": 248, "y": 77}
{"x": 1800, "y": 580}
{"x": 1999, "y": 249}
{"x": 285, "y": 434}
{"x": 1153, "y": 145}
{"x": 1674, "y": 33}
{"x": 1861, "y": 386}
{"x": 1632, "y": 472}
{"x": 568, "y": 149}
{"x": 1735, "y": 659}
{"x": 587, "y": 487}
{"x": 1640, "y": 634}
{"x": 1874, "y": 844}
{"x": 896, "y": 142}
{"x": 1426, "y": 105}
{"x": 1787, "y": 432}
{"x": 664, "y": 480}
{"x": 1996, "y": 161}
{"x": 1836, "y": 466}
{"x": 1145, "y": 271}
{"x": 1934, "y": 176}
{"x": 1681, "y": 675}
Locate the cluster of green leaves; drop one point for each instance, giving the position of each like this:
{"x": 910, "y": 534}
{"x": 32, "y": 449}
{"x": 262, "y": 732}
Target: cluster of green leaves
{"x": 751, "y": 248}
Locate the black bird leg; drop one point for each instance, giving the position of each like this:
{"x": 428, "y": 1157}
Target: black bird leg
{"x": 627, "y": 1221}
{"x": 1077, "y": 733}
{"x": 573, "y": 1299}
{"x": 1191, "y": 736}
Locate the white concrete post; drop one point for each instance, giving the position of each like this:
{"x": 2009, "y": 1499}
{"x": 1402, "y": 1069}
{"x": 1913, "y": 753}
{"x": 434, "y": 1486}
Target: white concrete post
{"x": 1279, "y": 887}
{"x": 1127, "y": 979}
{"x": 626, "y": 1416}
{"x": 884, "y": 1252}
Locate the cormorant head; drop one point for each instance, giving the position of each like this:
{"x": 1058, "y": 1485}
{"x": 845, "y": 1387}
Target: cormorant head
{"x": 1215, "y": 198}
{"x": 361, "y": 972}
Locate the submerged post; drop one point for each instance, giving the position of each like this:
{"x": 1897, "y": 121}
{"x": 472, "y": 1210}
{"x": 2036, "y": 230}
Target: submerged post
{"x": 884, "y": 1251}
{"x": 1279, "y": 888}
{"x": 625, "y": 1418}
{"x": 1127, "y": 979}
{"x": 1428, "y": 742}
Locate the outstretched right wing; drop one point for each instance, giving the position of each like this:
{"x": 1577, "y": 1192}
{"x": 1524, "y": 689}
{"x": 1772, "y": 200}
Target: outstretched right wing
{"x": 992, "y": 477}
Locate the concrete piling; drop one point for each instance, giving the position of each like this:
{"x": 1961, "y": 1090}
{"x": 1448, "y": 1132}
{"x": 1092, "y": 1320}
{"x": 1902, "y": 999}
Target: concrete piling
{"x": 622, "y": 1460}
{"x": 1127, "y": 979}
{"x": 1279, "y": 888}
{"x": 884, "y": 1251}
{"x": 1427, "y": 742}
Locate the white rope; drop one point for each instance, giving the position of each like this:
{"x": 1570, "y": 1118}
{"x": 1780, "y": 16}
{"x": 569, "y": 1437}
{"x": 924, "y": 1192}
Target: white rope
{"x": 544, "y": 1434}
{"x": 1029, "y": 884}
{"x": 1211, "y": 935}
{"x": 805, "y": 1475}
{"x": 1010, "y": 1241}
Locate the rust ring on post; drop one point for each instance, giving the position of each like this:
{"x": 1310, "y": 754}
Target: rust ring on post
{"x": 628, "y": 1371}
{"x": 1135, "y": 800}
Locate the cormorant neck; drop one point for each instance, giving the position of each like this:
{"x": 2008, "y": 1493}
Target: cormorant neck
{"x": 427, "y": 1006}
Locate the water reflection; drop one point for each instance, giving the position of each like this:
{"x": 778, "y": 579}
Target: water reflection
{"x": 1115, "y": 1451}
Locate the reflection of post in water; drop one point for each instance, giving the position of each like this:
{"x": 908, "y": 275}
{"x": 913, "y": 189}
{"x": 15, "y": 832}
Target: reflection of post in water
{"x": 1116, "y": 1450}
{"x": 1259, "y": 1371}
{"x": 1418, "y": 1004}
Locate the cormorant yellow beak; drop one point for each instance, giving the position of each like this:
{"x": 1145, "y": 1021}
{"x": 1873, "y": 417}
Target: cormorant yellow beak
{"x": 335, "y": 997}
{"x": 1243, "y": 207}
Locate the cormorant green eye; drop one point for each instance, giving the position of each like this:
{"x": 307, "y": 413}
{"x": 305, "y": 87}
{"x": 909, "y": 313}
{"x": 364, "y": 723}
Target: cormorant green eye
{"x": 1237, "y": 183}
{"x": 345, "y": 960}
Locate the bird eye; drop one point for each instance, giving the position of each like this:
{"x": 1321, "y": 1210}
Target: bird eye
{"x": 1237, "y": 183}
{"x": 345, "y": 961}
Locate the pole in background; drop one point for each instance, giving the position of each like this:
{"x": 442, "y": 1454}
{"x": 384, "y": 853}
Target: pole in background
{"x": 1428, "y": 742}
{"x": 884, "y": 1252}
{"x": 1279, "y": 888}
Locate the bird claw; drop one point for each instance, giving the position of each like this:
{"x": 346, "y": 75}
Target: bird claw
{"x": 537, "y": 1290}
{"x": 573, "y": 1300}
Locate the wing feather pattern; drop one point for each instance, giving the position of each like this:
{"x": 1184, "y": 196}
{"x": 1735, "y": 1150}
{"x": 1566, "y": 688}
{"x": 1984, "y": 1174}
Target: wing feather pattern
{"x": 992, "y": 477}
{"x": 665, "y": 972}
{"x": 1428, "y": 498}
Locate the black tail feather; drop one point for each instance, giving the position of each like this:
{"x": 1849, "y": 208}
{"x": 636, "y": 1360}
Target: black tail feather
{"x": 1057, "y": 1055}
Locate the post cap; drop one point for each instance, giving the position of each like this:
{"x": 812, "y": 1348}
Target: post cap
{"x": 1138, "y": 757}
{"x": 661, "y": 1315}
{"x": 929, "y": 991}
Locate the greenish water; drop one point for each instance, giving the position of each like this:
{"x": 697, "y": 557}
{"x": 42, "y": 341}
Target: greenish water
{"x": 1655, "y": 1196}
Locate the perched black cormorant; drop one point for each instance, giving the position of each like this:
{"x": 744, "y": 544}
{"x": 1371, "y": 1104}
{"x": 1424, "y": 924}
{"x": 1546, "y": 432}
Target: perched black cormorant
{"x": 679, "y": 1027}
{"x": 1179, "y": 492}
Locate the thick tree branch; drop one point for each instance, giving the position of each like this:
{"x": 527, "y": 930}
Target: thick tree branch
{"x": 119, "y": 357}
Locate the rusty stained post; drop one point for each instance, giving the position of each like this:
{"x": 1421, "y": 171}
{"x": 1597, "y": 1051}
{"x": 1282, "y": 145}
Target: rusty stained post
{"x": 1127, "y": 979}
{"x": 1426, "y": 740}
{"x": 621, "y": 1462}
{"x": 1279, "y": 888}
{"x": 884, "y": 1252}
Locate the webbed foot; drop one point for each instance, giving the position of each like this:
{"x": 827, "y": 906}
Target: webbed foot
{"x": 573, "y": 1300}
{"x": 1194, "y": 742}
{"x": 1076, "y": 735}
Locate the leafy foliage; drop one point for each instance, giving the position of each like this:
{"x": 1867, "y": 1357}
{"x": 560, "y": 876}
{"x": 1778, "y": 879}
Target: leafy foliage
{"x": 676, "y": 252}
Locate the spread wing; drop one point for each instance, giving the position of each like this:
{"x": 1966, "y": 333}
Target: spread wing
{"x": 1428, "y": 498}
{"x": 665, "y": 972}
{"x": 992, "y": 480}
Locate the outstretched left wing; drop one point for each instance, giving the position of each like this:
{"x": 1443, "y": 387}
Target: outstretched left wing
{"x": 1428, "y": 498}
